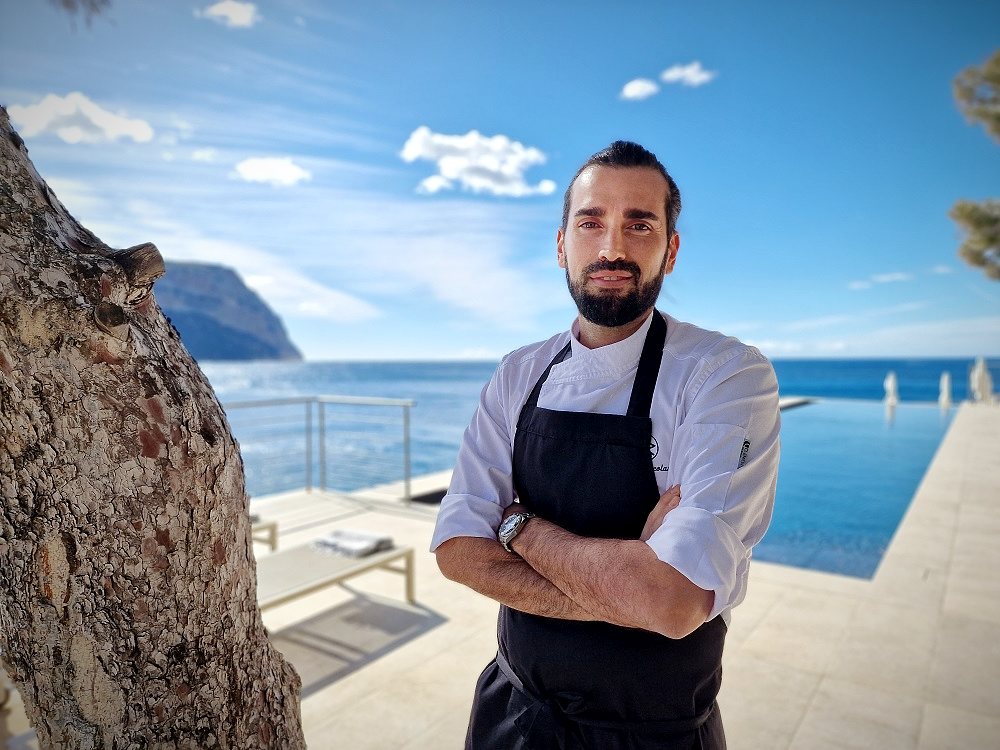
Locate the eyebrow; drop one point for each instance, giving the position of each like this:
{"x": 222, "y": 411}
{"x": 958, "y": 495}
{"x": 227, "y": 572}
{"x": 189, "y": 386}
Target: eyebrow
{"x": 632, "y": 213}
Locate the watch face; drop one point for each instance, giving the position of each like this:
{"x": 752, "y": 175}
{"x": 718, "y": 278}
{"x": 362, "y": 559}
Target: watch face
{"x": 509, "y": 524}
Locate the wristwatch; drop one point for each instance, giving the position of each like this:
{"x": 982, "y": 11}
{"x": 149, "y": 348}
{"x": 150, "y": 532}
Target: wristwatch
{"x": 511, "y": 527}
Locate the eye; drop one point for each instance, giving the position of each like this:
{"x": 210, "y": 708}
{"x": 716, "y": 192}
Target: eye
{"x": 641, "y": 227}
{"x": 588, "y": 225}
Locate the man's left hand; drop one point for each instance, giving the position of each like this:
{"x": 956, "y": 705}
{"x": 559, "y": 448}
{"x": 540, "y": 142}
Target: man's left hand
{"x": 667, "y": 502}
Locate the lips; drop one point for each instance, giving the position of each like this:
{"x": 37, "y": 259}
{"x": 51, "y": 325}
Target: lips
{"x": 609, "y": 277}
{"x": 619, "y": 281}
{"x": 612, "y": 274}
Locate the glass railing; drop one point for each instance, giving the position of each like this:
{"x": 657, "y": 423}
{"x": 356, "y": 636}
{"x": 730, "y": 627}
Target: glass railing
{"x": 328, "y": 443}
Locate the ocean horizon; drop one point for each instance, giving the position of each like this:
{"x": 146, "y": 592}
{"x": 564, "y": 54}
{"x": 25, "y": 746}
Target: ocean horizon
{"x": 861, "y": 378}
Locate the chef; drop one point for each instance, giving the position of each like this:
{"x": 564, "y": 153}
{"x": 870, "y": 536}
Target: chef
{"x": 609, "y": 490}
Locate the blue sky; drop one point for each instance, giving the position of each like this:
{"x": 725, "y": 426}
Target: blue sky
{"x": 388, "y": 175}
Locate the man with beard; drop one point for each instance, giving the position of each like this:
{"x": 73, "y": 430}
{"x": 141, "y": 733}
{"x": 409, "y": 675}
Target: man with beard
{"x": 609, "y": 491}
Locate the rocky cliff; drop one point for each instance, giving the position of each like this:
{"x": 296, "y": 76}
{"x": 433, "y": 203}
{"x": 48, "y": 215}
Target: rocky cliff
{"x": 218, "y": 317}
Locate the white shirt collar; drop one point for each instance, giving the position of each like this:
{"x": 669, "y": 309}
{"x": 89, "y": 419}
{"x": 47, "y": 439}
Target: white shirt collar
{"x": 621, "y": 355}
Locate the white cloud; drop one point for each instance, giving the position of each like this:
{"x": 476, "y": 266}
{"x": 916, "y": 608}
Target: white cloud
{"x": 852, "y": 318}
{"x": 943, "y": 338}
{"x": 775, "y": 348}
{"x": 414, "y": 254}
{"x": 434, "y": 183}
{"x": 231, "y": 13}
{"x": 889, "y": 278}
{"x": 291, "y": 292}
{"x": 297, "y": 295}
{"x": 786, "y": 349}
{"x": 980, "y": 291}
{"x": 691, "y": 74}
{"x": 76, "y": 119}
{"x": 77, "y": 195}
{"x": 638, "y": 89}
{"x": 824, "y": 321}
{"x": 476, "y": 162}
{"x": 835, "y": 346}
{"x": 276, "y": 171}
{"x": 203, "y": 154}
{"x": 880, "y": 278}
{"x": 941, "y": 269}
{"x": 486, "y": 284}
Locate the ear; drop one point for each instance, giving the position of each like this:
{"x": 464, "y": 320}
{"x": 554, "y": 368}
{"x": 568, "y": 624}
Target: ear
{"x": 561, "y": 248}
{"x": 672, "y": 247}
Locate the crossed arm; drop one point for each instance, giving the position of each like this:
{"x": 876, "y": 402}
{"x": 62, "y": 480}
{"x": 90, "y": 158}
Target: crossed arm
{"x": 558, "y": 574}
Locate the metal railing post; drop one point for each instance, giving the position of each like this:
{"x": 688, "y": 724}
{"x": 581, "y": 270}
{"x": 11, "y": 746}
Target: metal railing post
{"x": 322, "y": 445}
{"x": 406, "y": 453}
{"x": 309, "y": 439}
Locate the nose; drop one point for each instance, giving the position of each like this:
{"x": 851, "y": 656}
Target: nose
{"x": 613, "y": 247}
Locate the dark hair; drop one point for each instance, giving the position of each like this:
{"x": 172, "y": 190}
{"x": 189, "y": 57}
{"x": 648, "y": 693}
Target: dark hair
{"x": 628, "y": 154}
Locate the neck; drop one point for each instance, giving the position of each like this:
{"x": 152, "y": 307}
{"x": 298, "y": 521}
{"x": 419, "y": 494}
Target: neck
{"x": 594, "y": 336}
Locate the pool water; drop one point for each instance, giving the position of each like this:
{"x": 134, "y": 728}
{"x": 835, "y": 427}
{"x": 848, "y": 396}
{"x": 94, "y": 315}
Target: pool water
{"x": 848, "y": 472}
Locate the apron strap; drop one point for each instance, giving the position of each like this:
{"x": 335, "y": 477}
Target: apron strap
{"x": 649, "y": 368}
{"x": 563, "y": 353}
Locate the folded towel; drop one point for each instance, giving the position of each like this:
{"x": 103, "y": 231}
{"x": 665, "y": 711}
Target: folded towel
{"x": 354, "y": 543}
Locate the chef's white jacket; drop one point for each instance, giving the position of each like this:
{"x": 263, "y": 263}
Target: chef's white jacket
{"x": 715, "y": 433}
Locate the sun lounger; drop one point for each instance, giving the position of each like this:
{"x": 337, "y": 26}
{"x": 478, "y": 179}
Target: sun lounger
{"x": 289, "y": 574}
{"x": 265, "y": 532}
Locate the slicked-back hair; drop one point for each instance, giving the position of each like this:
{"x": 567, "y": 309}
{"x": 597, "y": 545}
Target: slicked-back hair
{"x": 622, "y": 154}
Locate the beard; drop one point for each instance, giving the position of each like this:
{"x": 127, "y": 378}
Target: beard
{"x": 610, "y": 308}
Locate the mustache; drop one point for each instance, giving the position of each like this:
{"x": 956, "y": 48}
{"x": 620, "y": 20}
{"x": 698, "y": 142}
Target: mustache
{"x": 613, "y": 265}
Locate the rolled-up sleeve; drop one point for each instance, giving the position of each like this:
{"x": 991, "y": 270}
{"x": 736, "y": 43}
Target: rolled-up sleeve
{"x": 724, "y": 455}
{"x": 481, "y": 485}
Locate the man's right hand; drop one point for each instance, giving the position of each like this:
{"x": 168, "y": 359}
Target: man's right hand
{"x": 667, "y": 502}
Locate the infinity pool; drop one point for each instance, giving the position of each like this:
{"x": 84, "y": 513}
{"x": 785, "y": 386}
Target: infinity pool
{"x": 848, "y": 472}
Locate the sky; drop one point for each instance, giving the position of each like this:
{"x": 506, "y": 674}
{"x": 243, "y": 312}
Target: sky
{"x": 388, "y": 175}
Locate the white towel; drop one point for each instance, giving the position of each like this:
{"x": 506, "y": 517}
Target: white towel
{"x": 353, "y": 542}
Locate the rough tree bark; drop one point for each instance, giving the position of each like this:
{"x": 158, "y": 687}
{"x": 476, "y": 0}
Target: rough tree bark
{"x": 128, "y": 615}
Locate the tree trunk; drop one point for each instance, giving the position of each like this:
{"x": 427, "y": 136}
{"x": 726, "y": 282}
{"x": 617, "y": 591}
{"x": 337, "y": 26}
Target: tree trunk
{"x": 128, "y": 613}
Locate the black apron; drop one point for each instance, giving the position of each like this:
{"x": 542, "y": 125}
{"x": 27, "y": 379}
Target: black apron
{"x": 561, "y": 684}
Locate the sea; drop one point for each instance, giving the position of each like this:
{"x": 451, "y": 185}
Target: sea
{"x": 919, "y": 379}
{"x": 849, "y": 466}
